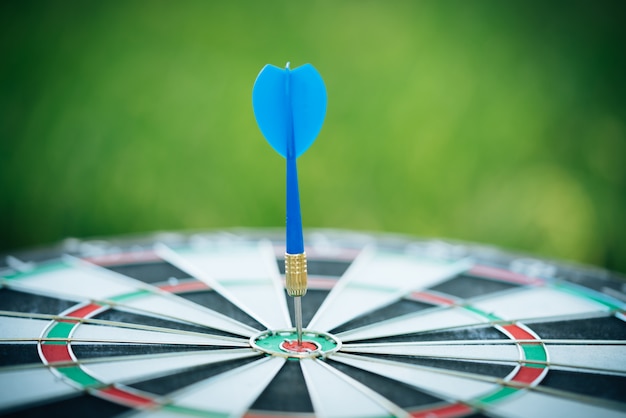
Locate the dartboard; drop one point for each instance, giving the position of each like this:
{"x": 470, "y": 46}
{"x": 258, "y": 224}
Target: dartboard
{"x": 199, "y": 324}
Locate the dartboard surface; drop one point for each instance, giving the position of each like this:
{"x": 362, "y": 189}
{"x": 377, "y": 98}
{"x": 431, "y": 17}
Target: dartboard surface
{"x": 176, "y": 325}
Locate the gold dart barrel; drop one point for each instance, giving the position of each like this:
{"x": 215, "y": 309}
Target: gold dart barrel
{"x": 295, "y": 274}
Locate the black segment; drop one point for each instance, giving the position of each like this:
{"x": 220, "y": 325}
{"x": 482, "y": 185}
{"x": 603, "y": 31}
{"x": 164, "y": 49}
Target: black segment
{"x": 218, "y": 303}
{"x": 14, "y": 354}
{"x": 12, "y": 300}
{"x": 596, "y": 385}
{"x": 152, "y": 272}
{"x": 480, "y": 368}
{"x": 137, "y": 319}
{"x": 331, "y": 268}
{"x": 472, "y": 333}
{"x": 78, "y": 406}
{"x": 401, "y": 307}
{"x": 401, "y": 394}
{"x": 311, "y": 302}
{"x": 166, "y": 384}
{"x": 465, "y": 286}
{"x": 87, "y": 351}
{"x": 286, "y": 392}
{"x": 604, "y": 328}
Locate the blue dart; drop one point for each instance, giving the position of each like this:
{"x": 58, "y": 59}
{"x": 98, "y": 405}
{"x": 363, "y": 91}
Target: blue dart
{"x": 289, "y": 107}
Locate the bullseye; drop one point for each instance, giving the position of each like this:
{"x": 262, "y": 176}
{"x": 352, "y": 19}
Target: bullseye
{"x": 292, "y": 346}
{"x": 284, "y": 343}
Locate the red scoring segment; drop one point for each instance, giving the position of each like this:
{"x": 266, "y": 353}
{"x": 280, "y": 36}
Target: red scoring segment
{"x": 305, "y": 347}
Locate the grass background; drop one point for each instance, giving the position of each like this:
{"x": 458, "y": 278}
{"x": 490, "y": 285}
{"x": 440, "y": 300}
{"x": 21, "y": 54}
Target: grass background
{"x": 487, "y": 121}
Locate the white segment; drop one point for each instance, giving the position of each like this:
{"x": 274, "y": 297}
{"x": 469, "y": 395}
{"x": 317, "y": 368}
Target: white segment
{"x": 16, "y": 328}
{"x": 103, "y": 333}
{"x": 233, "y": 392}
{"x": 75, "y": 283}
{"x": 21, "y": 387}
{"x": 541, "y": 405}
{"x": 179, "y": 308}
{"x": 141, "y": 368}
{"x": 607, "y": 357}
{"x": 437, "y": 382}
{"x": 375, "y": 280}
{"x": 83, "y": 281}
{"x": 538, "y": 302}
{"x": 247, "y": 275}
{"x": 489, "y": 352}
{"x": 422, "y": 321}
{"x": 338, "y": 396}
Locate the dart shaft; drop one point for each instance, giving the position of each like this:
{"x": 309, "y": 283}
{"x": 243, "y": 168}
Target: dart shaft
{"x": 297, "y": 305}
{"x": 294, "y": 238}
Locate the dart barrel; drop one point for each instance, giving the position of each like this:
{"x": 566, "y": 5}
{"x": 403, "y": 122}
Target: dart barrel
{"x": 295, "y": 274}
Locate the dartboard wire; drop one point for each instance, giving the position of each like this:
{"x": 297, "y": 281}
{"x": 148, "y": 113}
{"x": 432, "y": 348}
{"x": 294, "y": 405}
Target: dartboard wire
{"x": 526, "y": 371}
{"x": 357, "y": 346}
{"x": 156, "y": 290}
{"x": 476, "y": 359}
{"x": 475, "y": 402}
{"x": 495, "y": 381}
{"x": 438, "y": 370}
{"x": 125, "y": 300}
{"x": 468, "y": 307}
{"x": 366, "y": 256}
{"x": 118, "y": 341}
{"x": 117, "y": 324}
{"x": 450, "y": 302}
{"x": 114, "y": 304}
{"x": 405, "y": 349}
{"x": 523, "y": 282}
{"x": 111, "y": 384}
{"x": 534, "y": 352}
{"x": 490, "y": 360}
{"x": 117, "y": 389}
{"x": 364, "y": 277}
{"x": 191, "y": 360}
{"x": 112, "y": 389}
{"x": 67, "y": 329}
{"x": 265, "y": 251}
{"x": 453, "y": 301}
{"x": 363, "y": 257}
{"x": 319, "y": 401}
{"x": 109, "y": 359}
{"x": 215, "y": 393}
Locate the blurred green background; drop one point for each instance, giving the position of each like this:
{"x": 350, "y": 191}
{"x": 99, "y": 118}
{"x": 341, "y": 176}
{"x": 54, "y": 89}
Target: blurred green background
{"x": 499, "y": 122}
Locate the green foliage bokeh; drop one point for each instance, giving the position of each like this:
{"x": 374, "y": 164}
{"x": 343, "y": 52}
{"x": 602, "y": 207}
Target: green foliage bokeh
{"x": 485, "y": 121}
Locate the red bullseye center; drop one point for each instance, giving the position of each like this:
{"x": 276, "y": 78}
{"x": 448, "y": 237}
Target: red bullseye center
{"x": 292, "y": 346}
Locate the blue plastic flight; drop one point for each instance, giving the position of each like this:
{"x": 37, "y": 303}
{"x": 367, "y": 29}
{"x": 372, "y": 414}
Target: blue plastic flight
{"x": 290, "y": 107}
